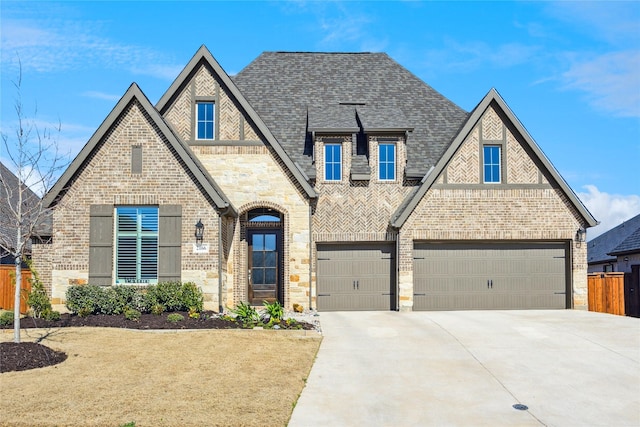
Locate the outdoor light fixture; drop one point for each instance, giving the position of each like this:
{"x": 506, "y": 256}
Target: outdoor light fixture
{"x": 581, "y": 234}
{"x": 199, "y": 232}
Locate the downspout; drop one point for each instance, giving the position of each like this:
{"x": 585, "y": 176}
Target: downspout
{"x": 310, "y": 256}
{"x": 398, "y": 271}
{"x": 220, "y": 214}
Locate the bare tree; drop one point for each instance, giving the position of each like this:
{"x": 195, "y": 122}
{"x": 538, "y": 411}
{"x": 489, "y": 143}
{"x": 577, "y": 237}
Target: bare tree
{"x": 32, "y": 153}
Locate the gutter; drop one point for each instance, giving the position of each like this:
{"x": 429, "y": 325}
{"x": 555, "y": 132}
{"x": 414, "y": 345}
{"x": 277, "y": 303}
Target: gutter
{"x": 220, "y": 248}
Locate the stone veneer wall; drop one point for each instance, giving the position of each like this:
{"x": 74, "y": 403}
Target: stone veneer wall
{"x": 107, "y": 179}
{"x": 511, "y": 211}
{"x": 253, "y": 177}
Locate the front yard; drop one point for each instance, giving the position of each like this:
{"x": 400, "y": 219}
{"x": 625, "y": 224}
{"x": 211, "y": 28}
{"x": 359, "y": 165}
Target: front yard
{"x": 173, "y": 378}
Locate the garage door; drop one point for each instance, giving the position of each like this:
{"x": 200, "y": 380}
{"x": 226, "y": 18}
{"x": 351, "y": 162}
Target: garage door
{"x": 356, "y": 277}
{"x": 451, "y": 276}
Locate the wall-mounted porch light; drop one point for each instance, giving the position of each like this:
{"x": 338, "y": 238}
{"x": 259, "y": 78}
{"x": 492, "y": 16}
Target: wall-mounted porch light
{"x": 199, "y": 231}
{"x": 581, "y": 235}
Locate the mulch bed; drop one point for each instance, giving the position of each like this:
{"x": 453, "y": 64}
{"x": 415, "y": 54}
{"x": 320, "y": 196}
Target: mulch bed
{"x": 26, "y": 355}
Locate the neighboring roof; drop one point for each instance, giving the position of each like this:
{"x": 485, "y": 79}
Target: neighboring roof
{"x": 9, "y": 183}
{"x": 298, "y": 83}
{"x": 620, "y": 239}
{"x": 493, "y": 97}
{"x": 628, "y": 245}
{"x": 192, "y": 163}
{"x": 203, "y": 54}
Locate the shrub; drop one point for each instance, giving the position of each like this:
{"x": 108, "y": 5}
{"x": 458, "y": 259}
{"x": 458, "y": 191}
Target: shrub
{"x": 6, "y": 318}
{"x": 84, "y": 312}
{"x": 51, "y": 315}
{"x": 132, "y": 314}
{"x": 157, "y": 309}
{"x": 167, "y": 294}
{"x": 83, "y": 298}
{"x": 175, "y": 317}
{"x": 37, "y": 298}
{"x": 171, "y": 296}
{"x": 194, "y": 313}
{"x": 191, "y": 297}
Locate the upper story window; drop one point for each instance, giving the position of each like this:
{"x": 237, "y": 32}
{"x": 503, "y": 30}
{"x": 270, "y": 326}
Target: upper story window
{"x": 205, "y": 120}
{"x": 137, "y": 244}
{"x": 333, "y": 162}
{"x": 491, "y": 164}
{"x": 387, "y": 162}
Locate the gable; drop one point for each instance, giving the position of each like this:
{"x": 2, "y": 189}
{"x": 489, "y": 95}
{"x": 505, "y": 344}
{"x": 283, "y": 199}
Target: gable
{"x": 235, "y": 112}
{"x": 202, "y": 84}
{"x": 465, "y": 166}
{"x": 524, "y": 165}
{"x": 134, "y": 106}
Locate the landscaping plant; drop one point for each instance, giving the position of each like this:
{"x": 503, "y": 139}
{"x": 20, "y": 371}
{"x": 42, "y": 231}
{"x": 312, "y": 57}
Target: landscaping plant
{"x": 246, "y": 314}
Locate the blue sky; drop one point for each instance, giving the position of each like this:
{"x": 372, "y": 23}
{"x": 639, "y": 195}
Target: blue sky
{"x": 569, "y": 70}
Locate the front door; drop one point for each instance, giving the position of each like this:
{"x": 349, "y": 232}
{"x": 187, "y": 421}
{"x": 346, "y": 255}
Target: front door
{"x": 264, "y": 266}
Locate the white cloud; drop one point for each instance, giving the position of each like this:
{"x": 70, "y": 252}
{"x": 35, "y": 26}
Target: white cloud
{"x": 101, "y": 95}
{"x": 609, "y": 209}
{"x": 611, "y": 82}
{"x": 50, "y": 45}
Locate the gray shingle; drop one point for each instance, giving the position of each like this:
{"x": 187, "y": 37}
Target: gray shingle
{"x": 630, "y": 244}
{"x": 599, "y": 249}
{"x": 30, "y": 201}
{"x": 283, "y": 86}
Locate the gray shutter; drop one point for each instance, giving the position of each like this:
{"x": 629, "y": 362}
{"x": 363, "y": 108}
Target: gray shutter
{"x": 170, "y": 243}
{"x": 101, "y": 245}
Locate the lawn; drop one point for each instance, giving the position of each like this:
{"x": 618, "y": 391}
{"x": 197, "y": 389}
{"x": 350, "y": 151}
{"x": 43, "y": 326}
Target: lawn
{"x": 173, "y": 378}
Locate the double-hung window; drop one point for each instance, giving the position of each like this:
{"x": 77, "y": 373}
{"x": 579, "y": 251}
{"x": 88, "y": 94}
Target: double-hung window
{"x": 387, "y": 162}
{"x": 491, "y": 164}
{"x": 205, "y": 120}
{"x": 333, "y": 162}
{"x": 136, "y": 244}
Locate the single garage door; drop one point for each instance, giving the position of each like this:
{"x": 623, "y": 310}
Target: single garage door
{"x": 356, "y": 277}
{"x": 450, "y": 276}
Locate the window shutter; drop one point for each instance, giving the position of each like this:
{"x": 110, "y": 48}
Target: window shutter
{"x": 101, "y": 245}
{"x": 170, "y": 243}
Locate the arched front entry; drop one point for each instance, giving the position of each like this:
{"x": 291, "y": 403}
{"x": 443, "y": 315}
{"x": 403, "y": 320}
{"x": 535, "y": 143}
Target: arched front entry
{"x": 265, "y": 256}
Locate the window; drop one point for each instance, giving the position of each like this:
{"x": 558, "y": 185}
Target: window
{"x": 387, "y": 162}
{"x": 333, "y": 162}
{"x": 491, "y": 162}
{"x": 205, "y": 121}
{"x": 136, "y": 244}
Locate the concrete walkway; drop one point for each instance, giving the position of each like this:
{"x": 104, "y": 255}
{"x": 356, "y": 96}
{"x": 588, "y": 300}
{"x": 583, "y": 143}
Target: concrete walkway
{"x": 468, "y": 368}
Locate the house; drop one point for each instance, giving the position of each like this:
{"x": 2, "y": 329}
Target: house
{"x": 337, "y": 181}
{"x": 617, "y": 249}
{"x": 35, "y": 223}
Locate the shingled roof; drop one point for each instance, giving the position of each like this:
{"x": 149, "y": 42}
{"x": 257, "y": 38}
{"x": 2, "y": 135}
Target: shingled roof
{"x": 623, "y": 238}
{"x": 9, "y": 184}
{"x": 288, "y": 89}
{"x": 628, "y": 245}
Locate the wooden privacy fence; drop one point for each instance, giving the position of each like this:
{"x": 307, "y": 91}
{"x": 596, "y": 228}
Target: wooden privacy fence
{"x": 7, "y": 287}
{"x": 606, "y": 293}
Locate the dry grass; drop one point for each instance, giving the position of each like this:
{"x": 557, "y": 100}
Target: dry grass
{"x": 192, "y": 378}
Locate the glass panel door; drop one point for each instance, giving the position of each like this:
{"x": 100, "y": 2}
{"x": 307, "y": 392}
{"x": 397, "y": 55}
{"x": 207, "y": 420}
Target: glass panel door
{"x": 263, "y": 266}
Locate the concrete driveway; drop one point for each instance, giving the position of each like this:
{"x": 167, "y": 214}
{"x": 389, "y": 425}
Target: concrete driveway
{"x": 468, "y": 368}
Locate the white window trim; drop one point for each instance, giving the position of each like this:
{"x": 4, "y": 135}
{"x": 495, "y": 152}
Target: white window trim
{"x": 395, "y": 162}
{"x": 324, "y": 172}
{"x": 484, "y": 176}
{"x": 213, "y": 131}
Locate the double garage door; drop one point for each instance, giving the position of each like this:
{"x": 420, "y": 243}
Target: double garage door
{"x": 450, "y": 276}
{"x": 356, "y": 277}
{"x": 447, "y": 276}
